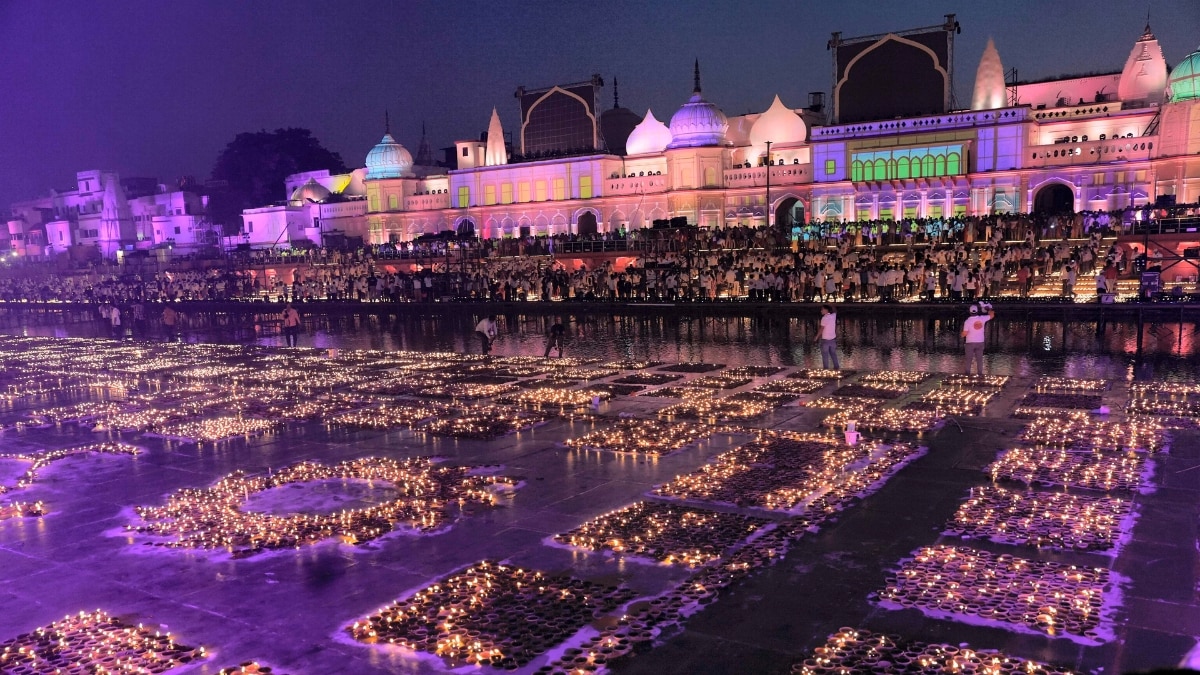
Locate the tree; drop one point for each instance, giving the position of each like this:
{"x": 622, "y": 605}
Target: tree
{"x": 255, "y": 164}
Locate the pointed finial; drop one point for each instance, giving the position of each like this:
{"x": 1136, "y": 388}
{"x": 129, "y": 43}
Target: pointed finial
{"x": 616, "y": 96}
{"x": 1148, "y": 21}
{"x": 696, "y": 75}
{"x": 387, "y": 123}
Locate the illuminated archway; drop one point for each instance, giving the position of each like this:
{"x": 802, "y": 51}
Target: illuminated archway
{"x": 1054, "y": 198}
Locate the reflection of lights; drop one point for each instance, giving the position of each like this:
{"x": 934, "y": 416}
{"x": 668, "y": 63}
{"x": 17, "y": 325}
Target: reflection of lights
{"x": 1049, "y": 597}
{"x": 211, "y": 518}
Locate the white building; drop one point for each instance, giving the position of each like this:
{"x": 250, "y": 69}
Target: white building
{"x": 98, "y": 215}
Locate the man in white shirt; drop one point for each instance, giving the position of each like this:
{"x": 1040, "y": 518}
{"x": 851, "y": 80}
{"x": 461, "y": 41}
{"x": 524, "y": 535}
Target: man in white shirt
{"x": 828, "y": 337}
{"x": 973, "y": 333}
{"x": 486, "y": 330}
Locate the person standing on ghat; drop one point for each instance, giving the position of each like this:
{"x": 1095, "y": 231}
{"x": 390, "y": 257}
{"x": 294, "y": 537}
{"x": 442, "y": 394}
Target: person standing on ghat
{"x": 828, "y": 337}
{"x": 973, "y": 331}
{"x": 291, "y": 325}
{"x": 555, "y": 338}
{"x": 486, "y": 330}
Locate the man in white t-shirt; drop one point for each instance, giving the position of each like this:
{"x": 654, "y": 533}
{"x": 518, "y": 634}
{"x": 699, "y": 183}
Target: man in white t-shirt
{"x": 972, "y": 333}
{"x": 828, "y": 338}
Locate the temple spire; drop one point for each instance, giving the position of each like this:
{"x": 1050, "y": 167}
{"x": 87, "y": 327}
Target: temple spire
{"x": 616, "y": 95}
{"x": 387, "y": 122}
{"x": 696, "y": 76}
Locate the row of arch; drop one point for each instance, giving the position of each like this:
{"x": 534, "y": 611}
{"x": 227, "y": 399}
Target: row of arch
{"x": 930, "y": 166}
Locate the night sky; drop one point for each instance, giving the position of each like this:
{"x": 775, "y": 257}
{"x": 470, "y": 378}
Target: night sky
{"x": 158, "y": 88}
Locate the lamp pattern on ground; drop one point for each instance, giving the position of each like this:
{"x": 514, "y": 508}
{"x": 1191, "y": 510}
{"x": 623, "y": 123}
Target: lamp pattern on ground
{"x": 212, "y": 518}
{"x": 40, "y": 460}
{"x": 1059, "y": 520}
{"x": 94, "y": 642}
{"x": 718, "y": 409}
{"x": 720, "y": 382}
{"x": 860, "y": 651}
{"x": 647, "y": 378}
{"x": 1088, "y": 433}
{"x": 776, "y": 471}
{"x": 909, "y": 377}
{"x": 549, "y": 397}
{"x": 877, "y": 390}
{"x": 491, "y": 614}
{"x": 1087, "y": 470}
{"x": 885, "y": 419}
{"x": 650, "y": 437}
{"x": 975, "y": 381}
{"x": 397, "y": 415}
{"x": 1069, "y": 384}
{"x": 666, "y": 533}
{"x": 1045, "y": 597}
{"x": 680, "y": 392}
{"x": 1039, "y": 404}
{"x": 793, "y": 386}
{"x": 822, "y": 374}
{"x": 483, "y": 423}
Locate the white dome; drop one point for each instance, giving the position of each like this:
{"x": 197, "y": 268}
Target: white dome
{"x": 649, "y": 136}
{"x": 778, "y": 124}
{"x": 310, "y": 191}
{"x": 388, "y": 159}
{"x": 698, "y": 123}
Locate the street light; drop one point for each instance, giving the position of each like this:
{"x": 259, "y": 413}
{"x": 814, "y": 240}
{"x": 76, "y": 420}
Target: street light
{"x": 768, "y": 205}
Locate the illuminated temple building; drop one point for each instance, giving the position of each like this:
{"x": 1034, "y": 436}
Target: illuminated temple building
{"x": 1098, "y": 142}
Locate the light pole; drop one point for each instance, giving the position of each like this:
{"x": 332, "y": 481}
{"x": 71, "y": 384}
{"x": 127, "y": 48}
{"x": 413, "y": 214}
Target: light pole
{"x": 768, "y": 205}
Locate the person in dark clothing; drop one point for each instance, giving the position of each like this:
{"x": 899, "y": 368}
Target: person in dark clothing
{"x": 555, "y": 338}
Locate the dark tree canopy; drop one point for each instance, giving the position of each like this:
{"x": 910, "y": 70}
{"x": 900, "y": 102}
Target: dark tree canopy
{"x": 255, "y": 165}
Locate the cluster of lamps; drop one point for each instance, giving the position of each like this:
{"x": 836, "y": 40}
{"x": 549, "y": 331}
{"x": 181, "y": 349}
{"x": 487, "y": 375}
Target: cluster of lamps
{"x": 1048, "y": 597}
{"x": 1081, "y": 432}
{"x": 667, "y": 533}
{"x": 852, "y": 650}
{"x": 909, "y": 377}
{"x": 469, "y": 617}
{"x": 39, "y": 461}
{"x": 550, "y": 397}
{"x": 213, "y": 518}
{"x": 1068, "y": 384}
{"x": 876, "y": 390}
{"x": 94, "y": 642}
{"x": 688, "y": 393}
{"x": 1060, "y": 520}
{"x": 650, "y": 437}
{"x": 399, "y": 415}
{"x": 1058, "y": 466}
{"x": 718, "y": 409}
{"x": 885, "y": 419}
{"x": 483, "y": 423}
{"x": 975, "y": 381}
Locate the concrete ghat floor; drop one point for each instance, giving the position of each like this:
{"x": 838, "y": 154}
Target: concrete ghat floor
{"x": 285, "y": 609}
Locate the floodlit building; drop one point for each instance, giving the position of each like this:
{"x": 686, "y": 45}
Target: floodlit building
{"x": 111, "y": 216}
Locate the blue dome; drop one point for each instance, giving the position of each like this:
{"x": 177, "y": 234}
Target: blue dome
{"x": 698, "y": 123}
{"x": 388, "y": 159}
{"x": 1184, "y": 81}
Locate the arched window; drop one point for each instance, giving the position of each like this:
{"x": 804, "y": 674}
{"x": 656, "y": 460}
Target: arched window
{"x": 952, "y": 164}
{"x": 891, "y": 168}
{"x": 856, "y": 170}
{"x": 939, "y": 166}
{"x": 902, "y": 168}
{"x": 880, "y": 170}
{"x": 868, "y": 171}
{"x": 927, "y": 166}
{"x": 916, "y": 167}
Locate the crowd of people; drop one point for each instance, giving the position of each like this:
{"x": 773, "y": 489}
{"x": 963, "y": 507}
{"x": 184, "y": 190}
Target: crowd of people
{"x": 955, "y": 259}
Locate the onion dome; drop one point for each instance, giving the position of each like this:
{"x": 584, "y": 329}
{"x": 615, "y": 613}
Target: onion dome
{"x": 698, "y": 123}
{"x": 778, "y": 124}
{"x": 310, "y": 191}
{"x": 1184, "y": 81}
{"x": 388, "y": 159}
{"x": 650, "y": 136}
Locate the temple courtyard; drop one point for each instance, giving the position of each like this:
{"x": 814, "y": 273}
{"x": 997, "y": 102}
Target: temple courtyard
{"x": 192, "y": 508}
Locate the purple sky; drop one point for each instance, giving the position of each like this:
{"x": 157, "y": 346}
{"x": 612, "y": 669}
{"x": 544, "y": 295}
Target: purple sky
{"x": 158, "y": 88}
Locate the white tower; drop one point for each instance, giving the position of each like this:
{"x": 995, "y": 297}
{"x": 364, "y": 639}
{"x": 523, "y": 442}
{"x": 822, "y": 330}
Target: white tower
{"x": 989, "y": 81}
{"x": 495, "y": 154}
